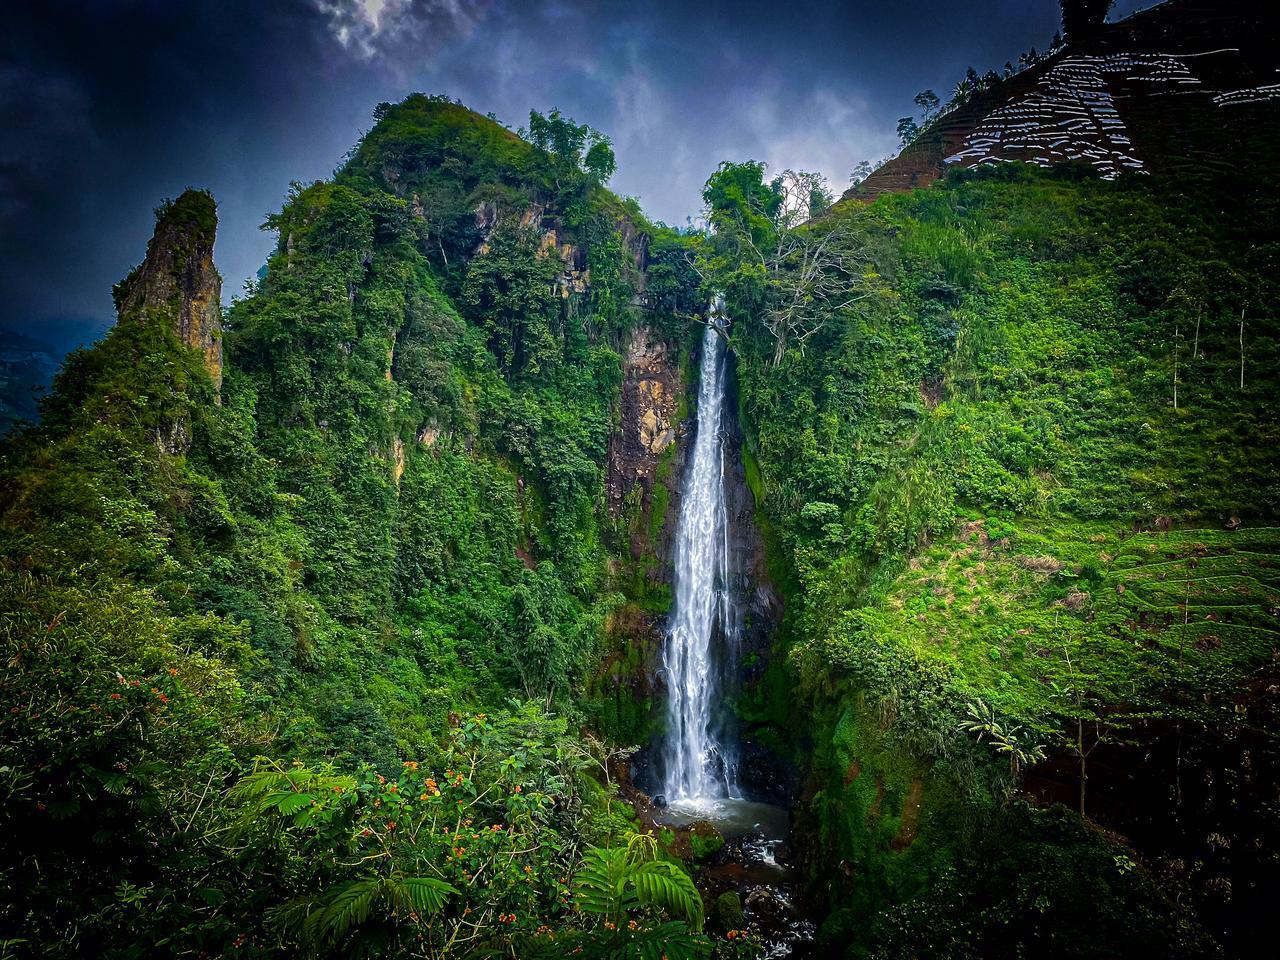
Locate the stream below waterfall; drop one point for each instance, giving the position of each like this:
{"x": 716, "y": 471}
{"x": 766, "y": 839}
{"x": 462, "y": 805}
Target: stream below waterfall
{"x": 701, "y": 778}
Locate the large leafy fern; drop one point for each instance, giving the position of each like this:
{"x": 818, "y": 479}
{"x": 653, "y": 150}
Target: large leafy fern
{"x": 329, "y": 917}
{"x": 613, "y": 881}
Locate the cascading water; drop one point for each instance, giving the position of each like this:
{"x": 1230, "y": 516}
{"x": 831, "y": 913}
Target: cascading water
{"x": 700, "y": 767}
{"x": 701, "y": 662}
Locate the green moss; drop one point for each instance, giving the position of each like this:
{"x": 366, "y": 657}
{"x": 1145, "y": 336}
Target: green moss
{"x": 726, "y": 912}
{"x": 705, "y": 841}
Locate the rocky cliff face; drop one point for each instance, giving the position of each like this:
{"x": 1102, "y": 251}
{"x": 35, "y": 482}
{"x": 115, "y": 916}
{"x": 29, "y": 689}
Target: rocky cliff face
{"x": 651, "y": 389}
{"x": 1186, "y": 86}
{"x": 177, "y": 280}
{"x": 761, "y": 608}
{"x": 558, "y": 241}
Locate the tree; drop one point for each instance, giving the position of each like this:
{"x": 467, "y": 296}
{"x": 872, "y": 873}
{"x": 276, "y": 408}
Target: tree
{"x": 600, "y": 162}
{"x": 908, "y": 130}
{"x": 1010, "y": 740}
{"x": 508, "y": 292}
{"x": 929, "y": 104}
{"x": 1084, "y": 689}
{"x": 794, "y": 275}
{"x": 574, "y": 158}
{"x": 573, "y": 148}
{"x": 860, "y": 172}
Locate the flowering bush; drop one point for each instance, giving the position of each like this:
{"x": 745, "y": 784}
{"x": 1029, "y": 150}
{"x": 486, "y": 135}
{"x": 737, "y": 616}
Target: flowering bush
{"x": 489, "y": 830}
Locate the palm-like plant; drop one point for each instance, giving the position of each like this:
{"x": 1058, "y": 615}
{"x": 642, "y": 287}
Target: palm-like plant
{"x": 327, "y": 918}
{"x": 1007, "y": 739}
{"x": 614, "y": 881}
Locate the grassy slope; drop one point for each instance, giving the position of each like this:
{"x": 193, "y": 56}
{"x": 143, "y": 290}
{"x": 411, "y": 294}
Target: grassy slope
{"x": 958, "y": 470}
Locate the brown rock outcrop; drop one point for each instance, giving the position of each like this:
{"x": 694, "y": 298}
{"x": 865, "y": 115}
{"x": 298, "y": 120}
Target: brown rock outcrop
{"x": 177, "y": 282}
{"x": 651, "y": 390}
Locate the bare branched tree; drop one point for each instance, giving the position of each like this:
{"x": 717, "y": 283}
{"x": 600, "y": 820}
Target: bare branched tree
{"x": 812, "y": 275}
{"x": 811, "y": 270}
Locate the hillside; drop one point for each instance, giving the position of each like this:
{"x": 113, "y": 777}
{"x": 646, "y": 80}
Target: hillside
{"x": 1021, "y": 569}
{"x": 1186, "y": 87}
{"x": 355, "y": 536}
{"x": 936, "y": 538}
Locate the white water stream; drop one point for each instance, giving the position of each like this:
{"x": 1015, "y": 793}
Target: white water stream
{"x": 700, "y": 765}
{"x": 700, "y": 660}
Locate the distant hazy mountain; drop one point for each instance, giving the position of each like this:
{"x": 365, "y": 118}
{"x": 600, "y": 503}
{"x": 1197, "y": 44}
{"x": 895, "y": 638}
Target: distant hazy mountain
{"x": 27, "y": 366}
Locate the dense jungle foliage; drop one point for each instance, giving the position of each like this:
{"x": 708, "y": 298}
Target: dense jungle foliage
{"x": 302, "y": 670}
{"x": 1018, "y": 469}
{"x": 335, "y": 661}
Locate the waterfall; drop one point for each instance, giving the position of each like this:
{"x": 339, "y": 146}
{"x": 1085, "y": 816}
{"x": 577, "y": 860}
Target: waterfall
{"x": 700, "y": 765}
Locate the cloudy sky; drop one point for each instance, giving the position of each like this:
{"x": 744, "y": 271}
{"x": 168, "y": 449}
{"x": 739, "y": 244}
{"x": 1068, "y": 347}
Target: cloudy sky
{"x": 108, "y": 106}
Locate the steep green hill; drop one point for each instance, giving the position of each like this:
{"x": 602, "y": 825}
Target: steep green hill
{"x": 1025, "y": 489}
{"x": 357, "y": 531}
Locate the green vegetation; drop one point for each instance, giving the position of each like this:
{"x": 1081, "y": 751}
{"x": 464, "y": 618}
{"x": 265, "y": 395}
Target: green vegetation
{"x": 1016, "y": 440}
{"x": 261, "y": 653}
{"x": 339, "y": 659}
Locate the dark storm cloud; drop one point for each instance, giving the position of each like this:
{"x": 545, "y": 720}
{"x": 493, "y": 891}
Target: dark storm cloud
{"x": 108, "y": 107}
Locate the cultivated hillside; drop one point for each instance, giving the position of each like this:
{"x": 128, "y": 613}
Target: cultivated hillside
{"x": 1188, "y": 86}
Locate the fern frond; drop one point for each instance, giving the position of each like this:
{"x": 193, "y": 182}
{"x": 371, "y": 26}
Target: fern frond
{"x": 600, "y": 884}
{"x": 328, "y": 918}
{"x": 347, "y": 905}
{"x": 668, "y": 887}
{"x": 420, "y": 895}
